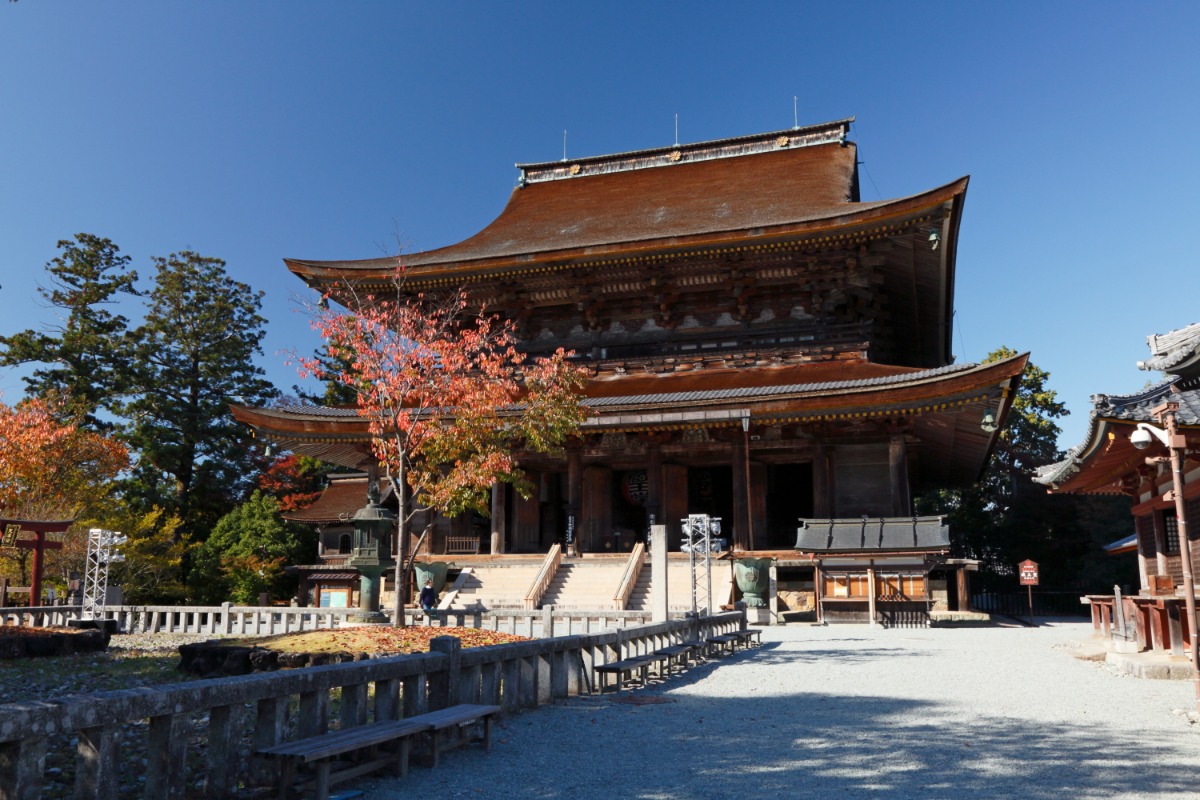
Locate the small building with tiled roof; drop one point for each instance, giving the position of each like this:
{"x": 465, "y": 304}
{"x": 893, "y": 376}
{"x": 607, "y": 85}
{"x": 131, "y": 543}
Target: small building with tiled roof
{"x": 764, "y": 346}
{"x": 331, "y": 582}
{"x": 1109, "y": 462}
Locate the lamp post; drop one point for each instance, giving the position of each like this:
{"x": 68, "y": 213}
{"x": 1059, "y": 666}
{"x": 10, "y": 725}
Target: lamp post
{"x": 372, "y": 546}
{"x": 1176, "y": 444}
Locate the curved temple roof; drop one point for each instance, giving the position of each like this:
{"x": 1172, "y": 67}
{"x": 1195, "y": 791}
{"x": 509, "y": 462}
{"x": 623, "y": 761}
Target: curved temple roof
{"x": 1177, "y": 352}
{"x": 1102, "y": 461}
{"x": 947, "y": 405}
{"x": 786, "y": 183}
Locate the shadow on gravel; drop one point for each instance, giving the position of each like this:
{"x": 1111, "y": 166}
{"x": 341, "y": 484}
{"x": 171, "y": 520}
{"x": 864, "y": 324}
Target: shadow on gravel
{"x": 771, "y": 653}
{"x": 834, "y": 746}
{"x": 806, "y": 743}
{"x": 813, "y": 745}
{"x": 834, "y": 656}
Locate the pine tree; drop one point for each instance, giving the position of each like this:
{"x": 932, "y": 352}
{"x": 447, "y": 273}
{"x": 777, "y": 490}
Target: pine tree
{"x": 194, "y": 356}
{"x": 86, "y": 357}
{"x": 1006, "y": 518}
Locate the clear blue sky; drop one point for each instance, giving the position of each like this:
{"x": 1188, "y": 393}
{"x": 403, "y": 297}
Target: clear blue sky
{"x": 252, "y": 131}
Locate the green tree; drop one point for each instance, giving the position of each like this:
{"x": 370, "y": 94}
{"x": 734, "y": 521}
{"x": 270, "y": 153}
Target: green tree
{"x": 246, "y": 552}
{"x": 1006, "y": 518}
{"x": 152, "y": 572}
{"x": 86, "y": 356}
{"x": 193, "y": 356}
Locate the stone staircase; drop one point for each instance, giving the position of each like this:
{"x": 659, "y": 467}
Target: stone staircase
{"x": 495, "y": 586}
{"x": 585, "y": 583}
{"x": 581, "y": 583}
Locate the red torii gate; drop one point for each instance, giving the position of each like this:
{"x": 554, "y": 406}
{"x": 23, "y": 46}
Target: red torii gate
{"x": 9, "y": 528}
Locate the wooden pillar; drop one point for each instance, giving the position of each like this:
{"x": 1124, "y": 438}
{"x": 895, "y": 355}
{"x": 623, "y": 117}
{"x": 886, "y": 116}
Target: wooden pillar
{"x": 741, "y": 491}
{"x": 527, "y": 520}
{"x": 574, "y": 497}
{"x": 35, "y": 579}
{"x": 1143, "y": 562}
{"x": 964, "y": 592}
{"x": 817, "y": 579}
{"x": 654, "y": 487}
{"x": 674, "y": 501}
{"x": 871, "y": 592}
{"x": 758, "y": 506}
{"x": 596, "y": 522}
{"x": 898, "y": 469}
{"x": 822, "y": 490}
{"x": 499, "y": 517}
{"x": 1160, "y": 544}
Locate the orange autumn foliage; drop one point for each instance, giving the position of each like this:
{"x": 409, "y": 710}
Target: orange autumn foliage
{"x": 50, "y": 468}
{"x": 449, "y": 397}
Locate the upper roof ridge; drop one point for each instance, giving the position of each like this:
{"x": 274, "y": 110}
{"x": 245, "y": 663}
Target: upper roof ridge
{"x": 824, "y": 133}
{"x": 1174, "y": 352}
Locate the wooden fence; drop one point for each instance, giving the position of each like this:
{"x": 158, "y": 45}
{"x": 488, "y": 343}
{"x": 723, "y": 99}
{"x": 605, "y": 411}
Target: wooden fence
{"x": 228, "y": 718}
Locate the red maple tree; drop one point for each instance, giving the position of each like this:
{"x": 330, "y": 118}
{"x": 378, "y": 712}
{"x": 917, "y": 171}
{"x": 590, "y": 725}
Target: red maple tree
{"x": 295, "y": 481}
{"x": 51, "y": 468}
{"x": 449, "y": 398}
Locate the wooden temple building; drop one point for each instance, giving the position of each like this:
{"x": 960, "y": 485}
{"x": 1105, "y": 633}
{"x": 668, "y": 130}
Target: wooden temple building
{"x": 764, "y": 346}
{"x": 1109, "y": 463}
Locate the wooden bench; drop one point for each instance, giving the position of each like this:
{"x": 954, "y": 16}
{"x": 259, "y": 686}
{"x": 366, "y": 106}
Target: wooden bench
{"x": 457, "y": 719}
{"x": 746, "y": 635}
{"x": 730, "y": 642}
{"x": 679, "y": 656}
{"x": 725, "y": 643}
{"x": 322, "y": 749}
{"x": 628, "y": 667}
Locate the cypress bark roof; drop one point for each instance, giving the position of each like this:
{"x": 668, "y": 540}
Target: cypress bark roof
{"x": 771, "y": 184}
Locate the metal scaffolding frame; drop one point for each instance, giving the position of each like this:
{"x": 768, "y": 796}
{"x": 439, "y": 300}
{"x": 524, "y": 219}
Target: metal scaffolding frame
{"x": 699, "y": 533}
{"x": 102, "y": 551}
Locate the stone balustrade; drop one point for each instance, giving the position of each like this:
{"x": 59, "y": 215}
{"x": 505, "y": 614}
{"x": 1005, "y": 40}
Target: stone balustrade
{"x": 231, "y": 620}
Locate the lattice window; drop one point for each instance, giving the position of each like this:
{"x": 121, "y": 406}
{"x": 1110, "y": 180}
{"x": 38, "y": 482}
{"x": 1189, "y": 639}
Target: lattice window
{"x": 1171, "y": 529}
{"x": 905, "y": 584}
{"x": 841, "y": 584}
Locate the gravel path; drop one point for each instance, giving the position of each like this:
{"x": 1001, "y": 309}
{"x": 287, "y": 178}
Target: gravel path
{"x": 852, "y": 712}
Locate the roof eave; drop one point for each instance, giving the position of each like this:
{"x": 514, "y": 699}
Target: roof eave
{"x": 382, "y": 270}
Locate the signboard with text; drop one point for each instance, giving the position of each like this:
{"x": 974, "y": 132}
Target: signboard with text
{"x": 1029, "y": 572}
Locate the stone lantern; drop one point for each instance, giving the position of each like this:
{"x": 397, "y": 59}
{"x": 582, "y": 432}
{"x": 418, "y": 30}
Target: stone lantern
{"x": 371, "y": 556}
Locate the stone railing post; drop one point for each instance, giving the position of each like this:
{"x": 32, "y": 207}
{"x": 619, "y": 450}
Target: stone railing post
{"x": 96, "y": 771}
{"x": 443, "y": 685}
{"x": 166, "y": 754}
{"x": 21, "y": 764}
{"x": 227, "y": 618}
{"x": 224, "y": 753}
{"x": 659, "y": 609}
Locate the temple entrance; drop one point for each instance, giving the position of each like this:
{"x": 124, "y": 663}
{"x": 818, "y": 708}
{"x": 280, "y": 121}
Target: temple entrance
{"x": 631, "y": 490}
{"x": 789, "y": 498}
{"x": 710, "y": 491}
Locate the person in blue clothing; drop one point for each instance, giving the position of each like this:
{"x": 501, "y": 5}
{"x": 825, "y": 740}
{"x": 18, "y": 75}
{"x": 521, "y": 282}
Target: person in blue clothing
{"x": 428, "y": 598}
